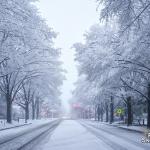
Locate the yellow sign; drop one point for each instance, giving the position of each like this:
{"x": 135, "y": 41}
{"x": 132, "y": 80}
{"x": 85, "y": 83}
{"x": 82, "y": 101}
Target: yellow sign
{"x": 119, "y": 111}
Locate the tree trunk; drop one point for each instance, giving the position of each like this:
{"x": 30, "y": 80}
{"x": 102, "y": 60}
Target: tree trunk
{"x": 95, "y": 115}
{"x": 26, "y": 112}
{"x": 98, "y": 117}
{"x": 129, "y": 111}
{"x": 102, "y": 117}
{"x": 98, "y": 112}
{"x": 33, "y": 110}
{"x": 9, "y": 109}
{"x": 111, "y": 110}
{"x": 148, "y": 108}
{"x": 106, "y": 112}
{"x": 37, "y": 109}
{"x": 8, "y": 102}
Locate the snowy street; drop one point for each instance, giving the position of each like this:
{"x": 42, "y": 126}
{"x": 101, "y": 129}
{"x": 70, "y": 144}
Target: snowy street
{"x": 71, "y": 135}
{"x": 83, "y": 135}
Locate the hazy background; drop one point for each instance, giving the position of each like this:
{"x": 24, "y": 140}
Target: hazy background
{"x": 70, "y": 18}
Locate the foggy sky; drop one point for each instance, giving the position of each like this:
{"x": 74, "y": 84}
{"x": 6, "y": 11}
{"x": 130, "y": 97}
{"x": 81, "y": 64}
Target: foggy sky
{"x": 70, "y": 18}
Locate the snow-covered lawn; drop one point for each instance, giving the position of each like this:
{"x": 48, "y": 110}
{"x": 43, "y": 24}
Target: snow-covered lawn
{"x": 135, "y": 128}
{"x": 8, "y": 134}
{"x": 15, "y": 138}
{"x": 5, "y": 125}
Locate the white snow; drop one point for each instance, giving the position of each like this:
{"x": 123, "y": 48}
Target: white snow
{"x": 82, "y": 135}
{"x": 137, "y": 128}
{"x": 119, "y": 124}
{"x": 134, "y": 128}
{"x": 5, "y": 125}
{"x": 70, "y": 135}
{"x": 118, "y": 137}
{"x": 10, "y": 133}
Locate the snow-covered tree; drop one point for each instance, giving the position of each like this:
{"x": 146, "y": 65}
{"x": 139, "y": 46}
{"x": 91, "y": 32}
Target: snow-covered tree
{"x": 27, "y": 52}
{"x": 133, "y": 20}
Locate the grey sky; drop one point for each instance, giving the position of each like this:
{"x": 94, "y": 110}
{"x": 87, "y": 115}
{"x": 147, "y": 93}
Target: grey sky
{"x": 70, "y": 18}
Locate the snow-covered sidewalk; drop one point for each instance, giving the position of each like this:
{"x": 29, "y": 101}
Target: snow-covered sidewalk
{"x": 70, "y": 135}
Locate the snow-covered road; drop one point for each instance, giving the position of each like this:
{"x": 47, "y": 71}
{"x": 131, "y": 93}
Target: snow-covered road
{"x": 71, "y": 135}
{"x": 83, "y": 135}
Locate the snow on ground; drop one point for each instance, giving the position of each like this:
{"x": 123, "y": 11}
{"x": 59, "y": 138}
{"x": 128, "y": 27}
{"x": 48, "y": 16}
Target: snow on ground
{"x": 134, "y": 128}
{"x": 116, "y": 137}
{"x": 82, "y": 135}
{"x": 25, "y": 137}
{"x": 8, "y": 134}
{"x": 119, "y": 124}
{"x": 70, "y": 135}
{"x": 5, "y": 125}
{"x": 137, "y": 128}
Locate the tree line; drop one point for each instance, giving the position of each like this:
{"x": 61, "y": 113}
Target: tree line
{"x": 113, "y": 63}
